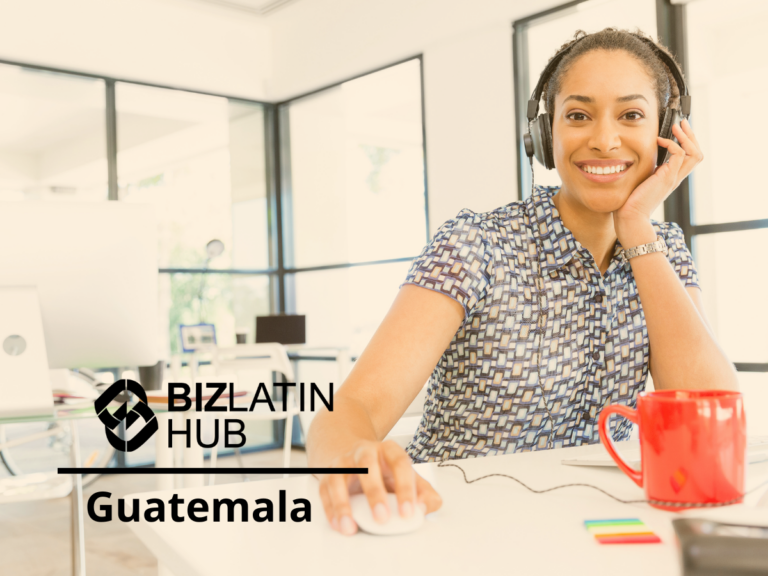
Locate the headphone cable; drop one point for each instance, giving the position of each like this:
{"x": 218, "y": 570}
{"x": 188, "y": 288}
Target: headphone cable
{"x": 445, "y": 464}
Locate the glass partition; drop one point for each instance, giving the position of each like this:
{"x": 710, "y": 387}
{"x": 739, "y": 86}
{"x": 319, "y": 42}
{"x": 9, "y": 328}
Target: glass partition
{"x": 728, "y": 73}
{"x": 53, "y": 136}
{"x": 356, "y": 156}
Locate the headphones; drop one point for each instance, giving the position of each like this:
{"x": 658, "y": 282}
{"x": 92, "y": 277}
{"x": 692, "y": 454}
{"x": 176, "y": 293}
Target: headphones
{"x": 538, "y": 140}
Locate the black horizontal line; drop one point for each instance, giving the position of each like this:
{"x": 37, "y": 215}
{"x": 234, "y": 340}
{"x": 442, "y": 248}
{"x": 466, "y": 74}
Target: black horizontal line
{"x": 154, "y": 471}
{"x": 751, "y": 366}
{"x": 697, "y": 229}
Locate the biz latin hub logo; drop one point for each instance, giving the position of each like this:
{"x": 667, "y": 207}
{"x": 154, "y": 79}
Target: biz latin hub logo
{"x": 209, "y": 397}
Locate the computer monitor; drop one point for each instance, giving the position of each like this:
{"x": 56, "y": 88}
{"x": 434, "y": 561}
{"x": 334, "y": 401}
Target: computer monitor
{"x": 94, "y": 267}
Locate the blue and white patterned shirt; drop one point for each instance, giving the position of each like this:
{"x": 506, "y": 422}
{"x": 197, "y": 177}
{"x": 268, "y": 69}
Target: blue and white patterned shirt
{"x": 547, "y": 340}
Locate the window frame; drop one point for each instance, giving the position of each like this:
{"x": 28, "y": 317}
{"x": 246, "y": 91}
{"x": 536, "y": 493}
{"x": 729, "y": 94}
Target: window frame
{"x": 286, "y": 299}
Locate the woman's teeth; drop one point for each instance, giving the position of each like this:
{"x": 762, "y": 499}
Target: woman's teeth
{"x": 603, "y": 169}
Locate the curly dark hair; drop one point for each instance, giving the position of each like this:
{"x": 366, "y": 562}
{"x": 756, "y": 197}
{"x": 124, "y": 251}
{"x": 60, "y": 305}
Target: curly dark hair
{"x": 612, "y": 39}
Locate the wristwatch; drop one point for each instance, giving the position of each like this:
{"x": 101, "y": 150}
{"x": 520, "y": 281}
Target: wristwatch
{"x": 650, "y": 248}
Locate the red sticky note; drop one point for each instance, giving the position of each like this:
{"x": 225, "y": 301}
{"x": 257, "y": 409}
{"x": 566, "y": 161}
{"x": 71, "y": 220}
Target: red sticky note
{"x": 647, "y": 538}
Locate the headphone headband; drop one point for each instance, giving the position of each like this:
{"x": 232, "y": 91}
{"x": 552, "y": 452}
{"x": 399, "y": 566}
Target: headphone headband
{"x": 685, "y": 99}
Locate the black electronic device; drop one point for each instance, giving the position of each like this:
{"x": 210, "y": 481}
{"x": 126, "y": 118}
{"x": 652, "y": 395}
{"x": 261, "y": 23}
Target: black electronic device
{"x": 709, "y": 548}
{"x": 282, "y": 328}
{"x": 538, "y": 140}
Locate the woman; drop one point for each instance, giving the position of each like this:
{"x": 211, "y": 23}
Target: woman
{"x": 531, "y": 322}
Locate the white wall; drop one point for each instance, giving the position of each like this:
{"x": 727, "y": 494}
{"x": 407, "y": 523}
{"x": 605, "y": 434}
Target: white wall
{"x": 467, "y": 48}
{"x": 172, "y": 42}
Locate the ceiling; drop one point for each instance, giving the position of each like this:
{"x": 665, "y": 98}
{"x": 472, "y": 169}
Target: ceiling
{"x": 261, "y": 7}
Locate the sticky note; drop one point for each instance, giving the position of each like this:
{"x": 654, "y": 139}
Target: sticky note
{"x": 621, "y": 531}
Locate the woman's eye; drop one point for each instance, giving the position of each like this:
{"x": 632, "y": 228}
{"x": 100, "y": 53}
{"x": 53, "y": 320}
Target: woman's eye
{"x": 578, "y": 116}
{"x": 633, "y": 116}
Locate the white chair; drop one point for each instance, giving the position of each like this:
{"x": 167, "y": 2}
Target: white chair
{"x": 233, "y": 364}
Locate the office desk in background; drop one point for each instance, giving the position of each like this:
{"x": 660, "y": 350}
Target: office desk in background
{"x": 494, "y": 526}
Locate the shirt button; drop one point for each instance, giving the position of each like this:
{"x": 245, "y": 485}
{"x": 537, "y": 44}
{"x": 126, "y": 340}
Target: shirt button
{"x": 596, "y": 355}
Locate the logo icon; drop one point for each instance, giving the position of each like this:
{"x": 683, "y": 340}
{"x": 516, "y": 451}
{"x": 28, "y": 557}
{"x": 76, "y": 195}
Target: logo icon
{"x": 112, "y": 421}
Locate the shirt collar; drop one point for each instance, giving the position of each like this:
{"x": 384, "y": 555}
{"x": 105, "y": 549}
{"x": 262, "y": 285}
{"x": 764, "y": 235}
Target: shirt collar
{"x": 555, "y": 241}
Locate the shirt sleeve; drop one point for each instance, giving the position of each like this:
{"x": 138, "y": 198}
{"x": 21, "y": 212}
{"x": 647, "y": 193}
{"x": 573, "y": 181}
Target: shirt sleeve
{"x": 678, "y": 254}
{"x": 456, "y": 262}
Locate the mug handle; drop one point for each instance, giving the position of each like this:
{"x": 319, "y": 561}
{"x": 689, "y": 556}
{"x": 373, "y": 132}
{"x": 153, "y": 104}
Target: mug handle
{"x": 602, "y": 425}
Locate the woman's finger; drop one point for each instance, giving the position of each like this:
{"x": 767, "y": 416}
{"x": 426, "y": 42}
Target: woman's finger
{"x": 338, "y": 492}
{"x": 692, "y": 151}
{"x": 367, "y": 456}
{"x": 426, "y": 495}
{"x": 328, "y": 506}
{"x": 692, "y": 155}
{"x": 403, "y": 475}
{"x": 675, "y": 162}
{"x": 689, "y": 132}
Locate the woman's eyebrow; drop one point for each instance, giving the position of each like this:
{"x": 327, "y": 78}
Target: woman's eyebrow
{"x": 578, "y": 98}
{"x": 589, "y": 100}
{"x": 631, "y": 97}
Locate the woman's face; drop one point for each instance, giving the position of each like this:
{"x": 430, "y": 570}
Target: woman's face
{"x": 604, "y": 130}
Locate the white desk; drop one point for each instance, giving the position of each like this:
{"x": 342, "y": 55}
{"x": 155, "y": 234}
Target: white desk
{"x": 494, "y": 526}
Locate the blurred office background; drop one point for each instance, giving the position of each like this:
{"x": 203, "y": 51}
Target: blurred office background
{"x": 324, "y": 142}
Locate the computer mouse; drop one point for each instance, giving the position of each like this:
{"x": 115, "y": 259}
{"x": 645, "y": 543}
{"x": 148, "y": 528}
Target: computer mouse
{"x": 362, "y": 514}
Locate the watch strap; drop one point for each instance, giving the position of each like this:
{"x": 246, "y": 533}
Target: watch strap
{"x": 658, "y": 246}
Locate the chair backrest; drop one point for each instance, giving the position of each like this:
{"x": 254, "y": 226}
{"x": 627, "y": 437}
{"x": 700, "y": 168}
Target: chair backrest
{"x": 250, "y": 357}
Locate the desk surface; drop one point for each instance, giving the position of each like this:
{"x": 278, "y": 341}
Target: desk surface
{"x": 494, "y": 526}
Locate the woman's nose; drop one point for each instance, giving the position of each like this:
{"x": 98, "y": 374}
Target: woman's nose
{"x": 604, "y": 137}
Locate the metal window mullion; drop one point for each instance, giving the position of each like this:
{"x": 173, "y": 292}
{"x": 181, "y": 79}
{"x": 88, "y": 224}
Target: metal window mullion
{"x": 424, "y": 146}
{"x": 274, "y": 209}
{"x": 670, "y": 28}
{"x": 751, "y": 366}
{"x": 520, "y": 75}
{"x": 135, "y": 82}
{"x": 284, "y": 212}
{"x": 723, "y": 227}
{"x": 111, "y": 120}
{"x": 347, "y": 265}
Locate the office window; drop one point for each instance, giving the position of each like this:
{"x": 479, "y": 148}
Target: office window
{"x": 53, "y": 136}
{"x": 728, "y": 205}
{"x": 200, "y": 160}
{"x": 344, "y": 306}
{"x": 728, "y": 73}
{"x": 353, "y": 191}
{"x": 357, "y": 170}
{"x": 734, "y": 291}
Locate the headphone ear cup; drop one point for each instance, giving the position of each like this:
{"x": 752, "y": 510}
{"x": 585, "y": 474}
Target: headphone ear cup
{"x": 541, "y": 139}
{"x": 546, "y": 141}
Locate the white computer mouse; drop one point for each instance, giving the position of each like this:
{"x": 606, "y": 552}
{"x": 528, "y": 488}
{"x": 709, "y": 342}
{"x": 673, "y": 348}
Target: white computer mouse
{"x": 362, "y": 514}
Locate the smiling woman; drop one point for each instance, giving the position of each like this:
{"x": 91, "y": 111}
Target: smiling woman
{"x": 533, "y": 317}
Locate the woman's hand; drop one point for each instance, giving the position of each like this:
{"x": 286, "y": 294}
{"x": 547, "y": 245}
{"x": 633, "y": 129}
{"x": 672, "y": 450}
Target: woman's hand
{"x": 389, "y": 470}
{"x": 665, "y": 178}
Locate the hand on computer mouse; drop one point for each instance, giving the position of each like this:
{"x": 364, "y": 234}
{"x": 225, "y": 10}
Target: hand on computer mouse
{"x": 389, "y": 470}
{"x": 363, "y": 517}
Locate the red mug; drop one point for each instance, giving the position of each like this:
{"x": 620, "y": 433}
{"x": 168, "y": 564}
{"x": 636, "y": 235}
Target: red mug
{"x": 692, "y": 446}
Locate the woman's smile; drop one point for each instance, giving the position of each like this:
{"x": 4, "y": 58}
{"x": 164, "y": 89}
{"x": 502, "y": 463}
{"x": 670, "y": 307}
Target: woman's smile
{"x": 603, "y": 171}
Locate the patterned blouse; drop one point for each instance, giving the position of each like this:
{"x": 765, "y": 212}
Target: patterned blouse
{"x": 547, "y": 340}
